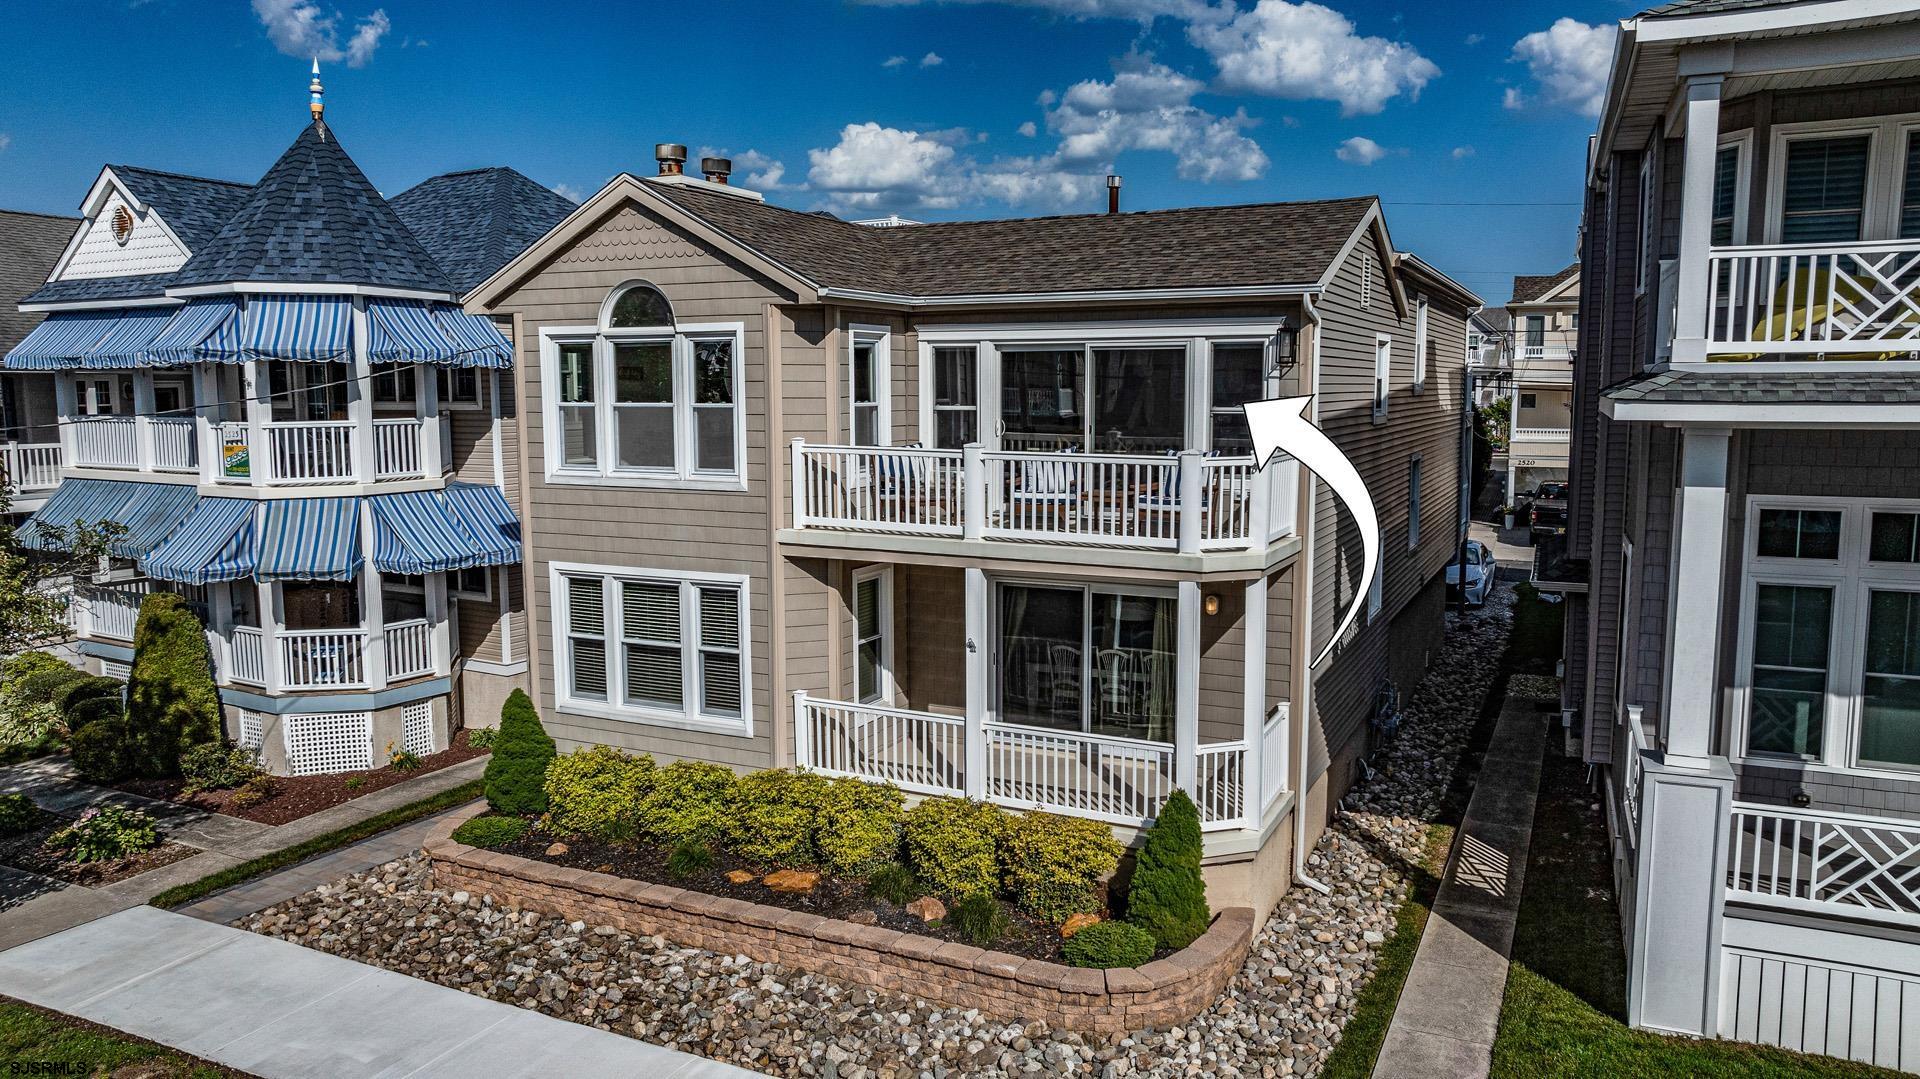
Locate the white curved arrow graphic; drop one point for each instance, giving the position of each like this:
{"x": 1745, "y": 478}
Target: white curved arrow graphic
{"x": 1282, "y": 424}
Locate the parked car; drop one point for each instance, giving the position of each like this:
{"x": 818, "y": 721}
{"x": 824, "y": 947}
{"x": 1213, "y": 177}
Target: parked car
{"x": 1480, "y": 569}
{"x": 1547, "y": 514}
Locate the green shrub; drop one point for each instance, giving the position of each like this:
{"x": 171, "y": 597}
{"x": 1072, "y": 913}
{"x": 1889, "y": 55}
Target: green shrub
{"x": 85, "y": 712}
{"x": 953, "y": 844}
{"x": 106, "y": 833}
{"x": 488, "y": 830}
{"x": 517, "y": 772}
{"x": 256, "y": 790}
{"x": 689, "y": 856}
{"x": 1167, "y": 897}
{"x": 38, "y": 687}
{"x": 481, "y": 737}
{"x": 686, "y": 801}
{"x": 771, "y": 816}
{"x": 978, "y": 919}
{"x": 593, "y": 792}
{"x": 217, "y": 768}
{"x": 1109, "y": 944}
{"x": 81, "y": 690}
{"x": 17, "y": 669}
{"x": 103, "y": 747}
{"x": 859, "y": 827}
{"x": 1052, "y": 863}
{"x": 17, "y": 814}
{"x": 894, "y": 883}
{"x": 172, "y": 704}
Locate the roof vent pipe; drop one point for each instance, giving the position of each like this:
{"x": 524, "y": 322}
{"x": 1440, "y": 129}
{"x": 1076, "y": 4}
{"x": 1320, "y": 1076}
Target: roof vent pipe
{"x": 672, "y": 157}
{"x": 716, "y": 169}
{"x": 1113, "y": 194}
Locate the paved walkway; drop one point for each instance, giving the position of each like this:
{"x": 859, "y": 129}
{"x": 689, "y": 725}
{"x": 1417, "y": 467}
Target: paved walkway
{"x": 277, "y": 1010}
{"x": 1449, "y": 1009}
{"x": 298, "y": 879}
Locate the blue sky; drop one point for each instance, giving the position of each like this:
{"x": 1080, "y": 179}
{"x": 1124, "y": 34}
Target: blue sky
{"x": 1469, "y": 119}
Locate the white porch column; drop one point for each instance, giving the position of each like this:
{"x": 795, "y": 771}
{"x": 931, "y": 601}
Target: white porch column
{"x": 1186, "y": 686}
{"x": 1699, "y": 539}
{"x": 373, "y": 608}
{"x": 1191, "y": 513}
{"x": 973, "y": 493}
{"x": 797, "y": 476}
{"x": 1254, "y": 689}
{"x": 143, "y": 419}
{"x": 66, "y": 404}
{"x": 1696, "y": 218}
{"x": 273, "y": 624}
{"x": 220, "y": 600}
{"x": 439, "y": 624}
{"x": 360, "y": 395}
{"x": 1673, "y": 973}
{"x": 427, "y": 386}
{"x": 257, "y": 386}
{"x": 206, "y": 421}
{"x": 977, "y": 683}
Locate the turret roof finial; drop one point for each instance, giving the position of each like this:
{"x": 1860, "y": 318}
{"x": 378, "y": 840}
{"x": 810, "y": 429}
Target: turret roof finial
{"x": 318, "y": 105}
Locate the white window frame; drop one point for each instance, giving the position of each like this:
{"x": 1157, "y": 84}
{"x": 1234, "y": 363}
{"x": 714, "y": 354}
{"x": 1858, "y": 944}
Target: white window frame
{"x": 883, "y": 575}
{"x": 683, "y": 476}
{"x": 1880, "y": 204}
{"x": 1382, "y": 374}
{"x": 448, "y": 400}
{"x": 1415, "y": 477}
{"x": 1088, "y": 590}
{"x": 1742, "y": 142}
{"x": 1419, "y": 343}
{"x": 880, "y": 338}
{"x": 690, "y": 716}
{"x": 931, "y": 409}
{"x": 485, "y": 594}
{"x": 1645, "y": 252}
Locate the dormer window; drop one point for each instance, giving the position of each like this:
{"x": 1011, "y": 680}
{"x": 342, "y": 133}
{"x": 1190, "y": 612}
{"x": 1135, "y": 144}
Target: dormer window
{"x": 640, "y": 306}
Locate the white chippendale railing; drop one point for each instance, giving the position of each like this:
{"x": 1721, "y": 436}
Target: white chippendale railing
{"x": 249, "y": 651}
{"x": 1187, "y": 503}
{"x": 31, "y": 466}
{"x": 396, "y": 448}
{"x": 409, "y": 647}
{"x": 174, "y": 444}
{"x": 1832, "y": 863}
{"x": 1861, "y": 297}
{"x": 915, "y": 751}
{"x": 319, "y": 452}
{"x": 105, "y": 442}
{"x": 323, "y": 658}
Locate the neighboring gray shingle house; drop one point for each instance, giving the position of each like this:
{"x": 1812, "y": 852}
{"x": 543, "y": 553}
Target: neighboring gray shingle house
{"x": 30, "y": 244}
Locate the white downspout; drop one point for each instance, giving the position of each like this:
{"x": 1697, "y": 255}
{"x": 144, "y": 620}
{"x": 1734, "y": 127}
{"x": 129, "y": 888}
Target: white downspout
{"x": 1310, "y": 356}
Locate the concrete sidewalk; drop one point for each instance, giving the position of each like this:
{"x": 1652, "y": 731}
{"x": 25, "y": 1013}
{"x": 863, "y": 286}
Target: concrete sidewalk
{"x": 283, "y": 884}
{"x": 276, "y": 1009}
{"x": 1449, "y": 1010}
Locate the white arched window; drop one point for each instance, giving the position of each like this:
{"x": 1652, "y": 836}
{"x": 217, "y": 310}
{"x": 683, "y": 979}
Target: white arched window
{"x": 644, "y": 398}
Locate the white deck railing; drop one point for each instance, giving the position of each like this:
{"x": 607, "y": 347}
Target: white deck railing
{"x": 1188, "y": 503}
{"x": 1540, "y": 434}
{"x": 112, "y": 611}
{"x": 248, "y": 648}
{"x": 323, "y": 659}
{"x": 320, "y": 452}
{"x": 1860, "y": 297}
{"x": 1276, "y": 753}
{"x": 105, "y": 442}
{"x": 915, "y": 751}
{"x": 175, "y": 446}
{"x": 27, "y": 467}
{"x": 1542, "y": 353}
{"x": 409, "y": 647}
{"x": 396, "y": 449}
{"x": 1831, "y": 863}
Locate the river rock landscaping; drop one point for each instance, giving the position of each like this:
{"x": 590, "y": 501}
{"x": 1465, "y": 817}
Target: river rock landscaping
{"x": 1281, "y": 1013}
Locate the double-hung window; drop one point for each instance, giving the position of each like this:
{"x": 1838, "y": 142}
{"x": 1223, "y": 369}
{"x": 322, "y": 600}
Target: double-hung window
{"x": 867, "y": 375}
{"x": 873, "y": 635}
{"x": 1382, "y": 374}
{"x": 956, "y": 396}
{"x": 653, "y": 646}
{"x": 1824, "y": 197}
{"x": 1420, "y": 345}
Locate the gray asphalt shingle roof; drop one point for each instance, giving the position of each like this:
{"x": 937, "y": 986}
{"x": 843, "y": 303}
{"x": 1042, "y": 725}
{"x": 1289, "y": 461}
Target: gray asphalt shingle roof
{"x": 29, "y": 246}
{"x": 1761, "y": 387}
{"x": 476, "y": 221}
{"x": 1530, "y": 287}
{"x": 193, "y": 206}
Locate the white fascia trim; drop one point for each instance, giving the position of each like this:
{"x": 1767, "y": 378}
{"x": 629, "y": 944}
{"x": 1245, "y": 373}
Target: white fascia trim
{"x": 991, "y": 298}
{"x": 88, "y": 305}
{"x": 482, "y": 666}
{"x": 1762, "y": 415}
{"x": 307, "y": 288}
{"x": 695, "y": 182}
{"x": 1784, "y": 17}
{"x": 966, "y": 333}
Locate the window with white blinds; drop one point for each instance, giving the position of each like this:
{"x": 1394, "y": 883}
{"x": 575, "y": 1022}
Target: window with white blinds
{"x": 872, "y": 648}
{"x": 654, "y": 646}
{"x": 1825, "y": 194}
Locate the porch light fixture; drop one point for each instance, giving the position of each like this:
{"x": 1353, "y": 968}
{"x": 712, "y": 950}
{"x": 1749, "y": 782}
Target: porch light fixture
{"x": 1210, "y": 604}
{"x": 1283, "y": 342}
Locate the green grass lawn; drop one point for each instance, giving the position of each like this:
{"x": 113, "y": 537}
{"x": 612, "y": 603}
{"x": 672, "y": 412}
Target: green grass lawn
{"x": 1565, "y": 1008}
{"x": 37, "y": 1042}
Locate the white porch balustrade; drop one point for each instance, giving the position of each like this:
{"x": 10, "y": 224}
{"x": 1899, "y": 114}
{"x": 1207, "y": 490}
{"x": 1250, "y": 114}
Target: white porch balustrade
{"x": 1853, "y": 299}
{"x": 30, "y": 467}
{"x": 396, "y": 449}
{"x": 174, "y": 444}
{"x": 1821, "y": 862}
{"x": 106, "y": 442}
{"x": 409, "y": 648}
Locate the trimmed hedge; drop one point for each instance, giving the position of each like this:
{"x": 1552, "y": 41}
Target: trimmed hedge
{"x": 102, "y": 741}
{"x": 1109, "y": 944}
{"x": 954, "y": 845}
{"x": 172, "y": 704}
{"x": 859, "y": 830}
{"x": 593, "y": 791}
{"x": 490, "y": 831}
{"x": 1053, "y": 864}
{"x": 18, "y": 814}
{"x": 1168, "y": 898}
{"x": 517, "y": 771}
{"x": 687, "y": 801}
{"x": 772, "y": 816}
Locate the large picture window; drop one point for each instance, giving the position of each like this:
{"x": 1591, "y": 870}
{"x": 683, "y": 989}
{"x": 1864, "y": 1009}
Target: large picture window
{"x": 653, "y": 647}
{"x": 1088, "y": 659}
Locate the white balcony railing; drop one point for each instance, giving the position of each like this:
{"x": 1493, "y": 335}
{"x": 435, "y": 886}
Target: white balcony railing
{"x": 319, "y": 452}
{"x": 1830, "y": 863}
{"x": 1275, "y": 753}
{"x": 174, "y": 444}
{"x": 323, "y": 659}
{"x": 1118, "y": 780}
{"x": 1860, "y": 298}
{"x": 111, "y": 611}
{"x": 396, "y": 449}
{"x": 1540, "y": 434}
{"x": 409, "y": 647}
{"x": 1186, "y": 503}
{"x": 31, "y": 467}
{"x": 106, "y": 442}
{"x": 1545, "y": 353}
{"x": 248, "y": 647}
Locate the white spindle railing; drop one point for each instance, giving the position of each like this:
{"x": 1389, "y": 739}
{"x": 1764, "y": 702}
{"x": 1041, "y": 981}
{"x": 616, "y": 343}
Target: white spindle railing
{"x": 113, "y": 610}
{"x": 248, "y": 647}
{"x": 409, "y": 647}
{"x": 396, "y": 449}
{"x": 1540, "y": 434}
{"x": 873, "y": 489}
{"x": 1859, "y": 297}
{"x": 915, "y": 751}
{"x": 1637, "y": 745}
{"x": 1275, "y": 755}
{"x": 1541, "y": 353}
{"x": 175, "y": 444}
{"x": 1084, "y": 498}
{"x": 323, "y": 659}
{"x": 319, "y": 452}
{"x": 105, "y": 442}
{"x": 1832, "y": 863}
{"x": 30, "y": 466}
{"x": 1220, "y": 783}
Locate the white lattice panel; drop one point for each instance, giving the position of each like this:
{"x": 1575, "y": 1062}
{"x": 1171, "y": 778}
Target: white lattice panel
{"x": 110, "y": 669}
{"x": 323, "y": 742}
{"x": 416, "y": 728}
{"x": 253, "y": 730}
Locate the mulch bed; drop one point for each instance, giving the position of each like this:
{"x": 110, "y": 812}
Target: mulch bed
{"x": 27, "y": 851}
{"x": 1026, "y": 937}
{"x": 297, "y": 796}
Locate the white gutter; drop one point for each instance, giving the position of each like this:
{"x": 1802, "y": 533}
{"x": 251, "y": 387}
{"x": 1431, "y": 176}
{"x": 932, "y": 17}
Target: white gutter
{"x": 994, "y": 298}
{"x": 308, "y": 288}
{"x": 97, "y": 304}
{"x": 1310, "y": 316}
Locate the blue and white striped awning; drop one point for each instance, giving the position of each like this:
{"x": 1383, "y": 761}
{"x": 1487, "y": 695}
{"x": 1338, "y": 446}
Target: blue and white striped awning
{"x": 128, "y": 339}
{"x": 308, "y": 329}
{"x": 146, "y": 512}
{"x": 415, "y": 533}
{"x": 197, "y": 324}
{"x": 310, "y": 539}
{"x": 60, "y": 341}
{"x": 214, "y": 543}
{"x": 405, "y": 331}
{"x": 477, "y": 341}
{"x": 487, "y": 517}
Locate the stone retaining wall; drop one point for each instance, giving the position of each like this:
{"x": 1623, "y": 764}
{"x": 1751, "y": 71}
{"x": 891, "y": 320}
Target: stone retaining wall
{"x": 1161, "y": 993}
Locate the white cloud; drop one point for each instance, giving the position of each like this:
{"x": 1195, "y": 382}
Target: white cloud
{"x": 873, "y": 165}
{"x": 301, "y": 28}
{"x": 1029, "y": 129}
{"x": 1569, "y": 60}
{"x": 894, "y": 61}
{"x": 1461, "y": 153}
{"x": 1307, "y": 50}
{"x": 932, "y": 59}
{"x": 1475, "y": 39}
{"x": 1512, "y": 98}
{"x": 1149, "y": 106}
{"x": 6, "y": 140}
{"x": 751, "y": 168}
{"x": 1360, "y": 150}
{"x": 1142, "y": 11}
{"x": 569, "y": 192}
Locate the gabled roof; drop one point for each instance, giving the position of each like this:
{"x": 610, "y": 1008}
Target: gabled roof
{"x": 315, "y": 218}
{"x": 475, "y": 222}
{"x": 1495, "y": 319}
{"x": 1534, "y": 288}
{"x": 193, "y": 206}
{"x": 29, "y": 246}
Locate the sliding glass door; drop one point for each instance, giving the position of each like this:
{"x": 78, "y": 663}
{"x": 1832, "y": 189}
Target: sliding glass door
{"x": 1081, "y": 658}
{"x": 1043, "y": 399}
{"x": 1103, "y": 400}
